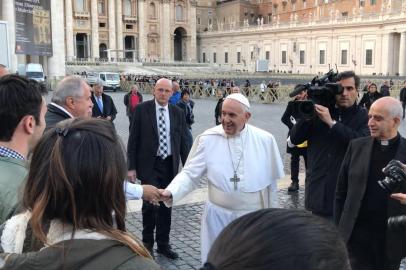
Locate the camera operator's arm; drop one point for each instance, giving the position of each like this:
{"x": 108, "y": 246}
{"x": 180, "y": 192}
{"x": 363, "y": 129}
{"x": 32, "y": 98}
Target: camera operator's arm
{"x": 359, "y": 128}
{"x": 324, "y": 115}
{"x": 342, "y": 186}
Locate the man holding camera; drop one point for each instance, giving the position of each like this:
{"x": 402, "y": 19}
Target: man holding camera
{"x": 362, "y": 204}
{"x": 328, "y": 135}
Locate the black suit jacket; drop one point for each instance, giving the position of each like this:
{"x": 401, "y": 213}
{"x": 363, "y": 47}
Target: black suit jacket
{"x": 351, "y": 186}
{"x": 108, "y": 107}
{"x": 143, "y": 140}
{"x": 53, "y": 116}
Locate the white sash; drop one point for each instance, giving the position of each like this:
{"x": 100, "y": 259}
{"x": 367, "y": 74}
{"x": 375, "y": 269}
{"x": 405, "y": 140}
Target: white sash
{"x": 238, "y": 201}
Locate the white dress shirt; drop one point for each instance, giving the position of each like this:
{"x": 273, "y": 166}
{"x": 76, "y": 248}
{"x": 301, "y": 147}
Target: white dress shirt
{"x": 133, "y": 191}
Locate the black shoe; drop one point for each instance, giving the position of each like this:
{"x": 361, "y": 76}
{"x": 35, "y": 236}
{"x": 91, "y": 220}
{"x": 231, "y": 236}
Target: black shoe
{"x": 150, "y": 249}
{"x": 167, "y": 252}
{"x": 293, "y": 187}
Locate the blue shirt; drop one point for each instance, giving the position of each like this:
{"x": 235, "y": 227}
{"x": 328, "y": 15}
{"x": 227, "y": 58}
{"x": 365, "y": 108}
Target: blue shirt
{"x": 174, "y": 98}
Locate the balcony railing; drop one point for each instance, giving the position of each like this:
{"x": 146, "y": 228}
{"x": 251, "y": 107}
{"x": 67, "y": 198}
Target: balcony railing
{"x": 276, "y": 24}
{"x": 81, "y": 14}
{"x": 130, "y": 18}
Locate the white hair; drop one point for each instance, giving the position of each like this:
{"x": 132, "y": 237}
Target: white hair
{"x": 70, "y": 86}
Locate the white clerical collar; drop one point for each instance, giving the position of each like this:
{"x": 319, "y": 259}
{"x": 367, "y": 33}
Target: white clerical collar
{"x": 62, "y": 109}
{"x": 157, "y": 105}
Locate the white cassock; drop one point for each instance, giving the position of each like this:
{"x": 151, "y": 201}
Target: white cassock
{"x": 259, "y": 168}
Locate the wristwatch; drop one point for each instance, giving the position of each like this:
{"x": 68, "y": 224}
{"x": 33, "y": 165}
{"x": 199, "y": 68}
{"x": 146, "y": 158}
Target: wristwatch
{"x": 333, "y": 123}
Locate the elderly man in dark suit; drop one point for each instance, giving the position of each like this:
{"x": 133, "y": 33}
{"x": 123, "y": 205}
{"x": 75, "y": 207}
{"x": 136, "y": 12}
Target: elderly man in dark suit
{"x": 157, "y": 142}
{"x": 103, "y": 105}
{"x": 71, "y": 99}
{"x": 362, "y": 207}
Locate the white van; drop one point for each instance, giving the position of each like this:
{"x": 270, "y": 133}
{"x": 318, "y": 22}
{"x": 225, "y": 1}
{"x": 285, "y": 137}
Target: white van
{"x": 110, "y": 80}
{"x": 35, "y": 72}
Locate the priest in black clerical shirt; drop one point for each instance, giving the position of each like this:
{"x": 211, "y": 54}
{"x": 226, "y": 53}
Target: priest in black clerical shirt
{"x": 362, "y": 207}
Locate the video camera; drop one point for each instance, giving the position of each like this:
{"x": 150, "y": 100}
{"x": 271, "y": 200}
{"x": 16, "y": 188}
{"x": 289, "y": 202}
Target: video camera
{"x": 320, "y": 91}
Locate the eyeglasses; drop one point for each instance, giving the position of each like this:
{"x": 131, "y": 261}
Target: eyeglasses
{"x": 166, "y": 91}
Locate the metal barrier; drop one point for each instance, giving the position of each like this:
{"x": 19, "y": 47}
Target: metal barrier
{"x": 253, "y": 93}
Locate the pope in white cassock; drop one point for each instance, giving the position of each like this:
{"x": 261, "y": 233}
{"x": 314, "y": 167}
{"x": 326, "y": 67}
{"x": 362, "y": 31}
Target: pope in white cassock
{"x": 242, "y": 164}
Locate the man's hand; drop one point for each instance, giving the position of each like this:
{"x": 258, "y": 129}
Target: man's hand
{"x": 401, "y": 197}
{"x": 131, "y": 176}
{"x": 324, "y": 114}
{"x": 151, "y": 194}
{"x": 108, "y": 118}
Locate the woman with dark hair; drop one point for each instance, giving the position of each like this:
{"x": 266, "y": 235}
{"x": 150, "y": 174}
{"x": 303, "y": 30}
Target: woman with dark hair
{"x": 75, "y": 204}
{"x": 370, "y": 97}
{"x": 278, "y": 239}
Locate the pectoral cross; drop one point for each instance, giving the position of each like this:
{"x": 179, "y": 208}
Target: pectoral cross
{"x": 235, "y": 180}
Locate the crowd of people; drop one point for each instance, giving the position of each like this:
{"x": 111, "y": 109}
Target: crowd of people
{"x": 65, "y": 178}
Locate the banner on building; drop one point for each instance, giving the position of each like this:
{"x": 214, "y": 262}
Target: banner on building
{"x": 33, "y": 27}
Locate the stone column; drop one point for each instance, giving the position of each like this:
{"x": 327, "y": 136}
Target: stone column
{"x": 142, "y": 36}
{"x": 119, "y": 26}
{"x": 9, "y": 16}
{"x": 165, "y": 31}
{"x": 56, "y": 63}
{"x": 69, "y": 29}
{"x": 112, "y": 28}
{"x": 95, "y": 29}
{"x": 389, "y": 54}
{"x": 402, "y": 54}
{"x": 192, "y": 56}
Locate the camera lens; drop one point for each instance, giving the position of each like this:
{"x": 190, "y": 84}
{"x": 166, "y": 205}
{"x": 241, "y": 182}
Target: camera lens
{"x": 306, "y": 108}
{"x": 388, "y": 184}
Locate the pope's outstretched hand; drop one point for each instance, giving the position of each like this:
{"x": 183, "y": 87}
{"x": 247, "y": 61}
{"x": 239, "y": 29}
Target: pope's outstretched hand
{"x": 166, "y": 197}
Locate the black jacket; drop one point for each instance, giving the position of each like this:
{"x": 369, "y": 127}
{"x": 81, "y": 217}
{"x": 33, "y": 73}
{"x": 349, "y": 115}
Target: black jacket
{"x": 217, "y": 111}
{"x": 143, "y": 140}
{"x": 54, "y": 115}
{"x": 402, "y": 95}
{"x": 351, "y": 187}
{"x": 369, "y": 98}
{"x": 109, "y": 109}
{"x": 188, "y": 110}
{"x": 325, "y": 151}
{"x": 286, "y": 119}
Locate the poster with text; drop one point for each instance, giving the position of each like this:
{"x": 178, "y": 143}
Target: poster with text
{"x": 33, "y": 27}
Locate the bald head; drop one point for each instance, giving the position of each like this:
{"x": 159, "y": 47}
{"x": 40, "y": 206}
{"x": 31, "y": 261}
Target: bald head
{"x": 163, "y": 91}
{"x": 385, "y": 116}
{"x": 175, "y": 86}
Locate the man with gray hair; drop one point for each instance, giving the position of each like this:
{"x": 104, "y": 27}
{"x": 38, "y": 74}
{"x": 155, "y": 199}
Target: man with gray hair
{"x": 242, "y": 164}
{"x": 362, "y": 207}
{"x": 71, "y": 99}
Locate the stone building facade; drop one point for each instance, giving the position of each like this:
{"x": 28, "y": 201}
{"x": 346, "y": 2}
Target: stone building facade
{"x": 293, "y": 36}
{"x": 305, "y": 36}
{"x": 113, "y": 30}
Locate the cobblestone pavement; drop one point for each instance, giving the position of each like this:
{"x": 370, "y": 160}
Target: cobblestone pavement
{"x": 185, "y": 233}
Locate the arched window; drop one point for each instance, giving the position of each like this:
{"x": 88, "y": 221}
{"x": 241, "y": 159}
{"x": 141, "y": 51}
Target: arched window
{"x": 101, "y": 8}
{"x": 179, "y": 13}
{"x": 127, "y": 8}
{"x": 80, "y": 5}
{"x": 103, "y": 51}
{"x": 152, "y": 10}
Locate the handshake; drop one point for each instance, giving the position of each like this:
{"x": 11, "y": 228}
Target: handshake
{"x": 154, "y": 195}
